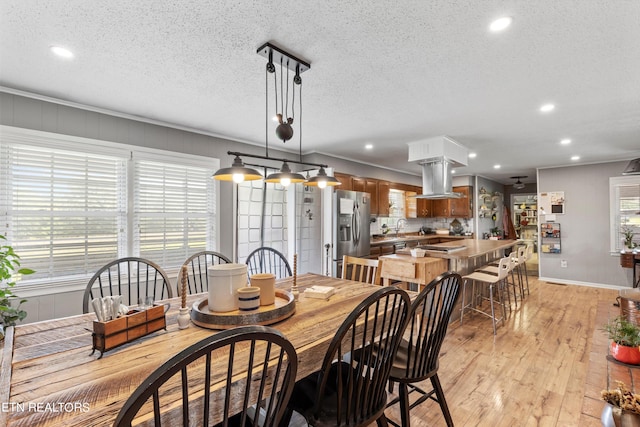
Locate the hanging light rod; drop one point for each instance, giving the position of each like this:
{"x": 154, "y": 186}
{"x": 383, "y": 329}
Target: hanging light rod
{"x": 275, "y": 159}
{"x": 274, "y": 54}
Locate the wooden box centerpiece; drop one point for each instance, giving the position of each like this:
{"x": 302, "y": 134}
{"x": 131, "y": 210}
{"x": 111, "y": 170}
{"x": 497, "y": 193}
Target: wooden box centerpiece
{"x": 111, "y": 334}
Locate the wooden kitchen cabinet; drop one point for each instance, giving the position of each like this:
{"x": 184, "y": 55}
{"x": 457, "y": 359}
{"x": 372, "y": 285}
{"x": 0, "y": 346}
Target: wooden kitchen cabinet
{"x": 454, "y": 208}
{"x": 440, "y": 207}
{"x": 345, "y": 181}
{"x": 371, "y": 187}
{"x": 425, "y": 208}
{"x": 461, "y": 208}
{"x": 358, "y": 184}
{"x": 383, "y": 198}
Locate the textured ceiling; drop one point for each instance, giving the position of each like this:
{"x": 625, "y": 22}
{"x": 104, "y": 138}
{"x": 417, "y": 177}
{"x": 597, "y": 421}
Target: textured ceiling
{"x": 382, "y": 72}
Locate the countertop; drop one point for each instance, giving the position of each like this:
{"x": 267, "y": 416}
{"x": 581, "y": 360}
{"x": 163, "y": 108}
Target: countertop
{"x": 473, "y": 248}
{"x": 426, "y": 238}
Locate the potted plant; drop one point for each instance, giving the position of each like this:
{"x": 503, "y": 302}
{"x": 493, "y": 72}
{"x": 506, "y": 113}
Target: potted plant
{"x": 9, "y": 267}
{"x": 625, "y": 344}
{"x": 628, "y": 232}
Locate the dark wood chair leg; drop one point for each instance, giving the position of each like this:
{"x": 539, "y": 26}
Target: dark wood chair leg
{"x": 382, "y": 421}
{"x": 435, "y": 381}
{"x": 403, "y": 391}
{"x": 286, "y": 417}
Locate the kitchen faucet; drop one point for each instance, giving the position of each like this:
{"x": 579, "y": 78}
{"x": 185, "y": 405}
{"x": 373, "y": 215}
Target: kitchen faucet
{"x": 400, "y": 221}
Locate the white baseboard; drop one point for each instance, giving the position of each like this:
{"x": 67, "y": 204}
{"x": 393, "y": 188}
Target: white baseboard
{"x": 574, "y": 282}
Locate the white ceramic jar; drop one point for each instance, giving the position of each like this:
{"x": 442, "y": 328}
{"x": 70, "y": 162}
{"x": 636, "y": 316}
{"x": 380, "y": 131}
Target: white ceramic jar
{"x": 224, "y": 282}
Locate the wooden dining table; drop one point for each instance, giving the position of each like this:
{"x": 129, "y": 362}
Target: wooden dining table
{"x": 50, "y": 378}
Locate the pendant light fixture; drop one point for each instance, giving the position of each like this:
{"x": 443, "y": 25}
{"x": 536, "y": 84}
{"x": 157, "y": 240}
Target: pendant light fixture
{"x": 237, "y": 173}
{"x": 285, "y": 176}
{"x": 278, "y": 59}
{"x": 322, "y": 180}
{"x": 518, "y": 185}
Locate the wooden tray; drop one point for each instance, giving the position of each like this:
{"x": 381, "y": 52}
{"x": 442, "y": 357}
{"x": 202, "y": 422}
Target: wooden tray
{"x": 283, "y": 308}
{"x": 113, "y": 333}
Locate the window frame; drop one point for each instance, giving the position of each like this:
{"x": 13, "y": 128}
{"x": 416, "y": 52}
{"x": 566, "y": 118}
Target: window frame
{"x": 616, "y": 246}
{"x": 130, "y": 153}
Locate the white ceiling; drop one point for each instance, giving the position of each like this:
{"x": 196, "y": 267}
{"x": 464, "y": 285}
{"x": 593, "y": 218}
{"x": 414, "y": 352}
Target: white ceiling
{"x": 382, "y": 72}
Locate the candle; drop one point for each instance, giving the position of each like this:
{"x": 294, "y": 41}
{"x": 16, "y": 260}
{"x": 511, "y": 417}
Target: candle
{"x": 294, "y": 288}
{"x": 183, "y": 294}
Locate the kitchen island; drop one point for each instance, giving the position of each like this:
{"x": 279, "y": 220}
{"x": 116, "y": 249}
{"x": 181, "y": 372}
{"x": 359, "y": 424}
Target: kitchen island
{"x": 390, "y": 244}
{"x": 464, "y": 255}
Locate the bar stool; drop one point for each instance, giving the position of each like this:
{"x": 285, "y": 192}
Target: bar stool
{"x": 514, "y": 265}
{"x": 493, "y": 280}
{"x": 527, "y": 256}
{"x": 520, "y": 264}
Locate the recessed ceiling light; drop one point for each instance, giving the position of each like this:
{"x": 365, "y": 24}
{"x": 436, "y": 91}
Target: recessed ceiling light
{"x": 500, "y": 24}
{"x": 472, "y": 155}
{"x": 547, "y": 107}
{"x": 369, "y": 146}
{"x": 574, "y": 158}
{"x": 62, "y": 52}
{"x": 496, "y": 166}
{"x": 565, "y": 141}
{"x": 453, "y": 171}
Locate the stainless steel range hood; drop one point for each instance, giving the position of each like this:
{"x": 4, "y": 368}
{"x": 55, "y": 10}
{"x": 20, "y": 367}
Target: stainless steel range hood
{"x": 437, "y": 181}
{"x": 438, "y": 156}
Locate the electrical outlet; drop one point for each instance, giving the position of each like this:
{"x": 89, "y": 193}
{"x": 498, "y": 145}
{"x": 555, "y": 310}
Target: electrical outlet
{"x": 563, "y": 263}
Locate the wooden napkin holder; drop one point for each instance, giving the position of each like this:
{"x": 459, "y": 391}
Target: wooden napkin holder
{"x": 113, "y": 333}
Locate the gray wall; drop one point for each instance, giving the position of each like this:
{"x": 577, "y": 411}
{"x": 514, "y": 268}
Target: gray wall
{"x": 584, "y": 226}
{"x": 35, "y": 114}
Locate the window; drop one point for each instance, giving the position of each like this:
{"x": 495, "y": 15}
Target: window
{"x": 69, "y": 205}
{"x": 173, "y": 211}
{"x": 262, "y": 217}
{"x": 624, "y": 195}
{"x": 62, "y": 209}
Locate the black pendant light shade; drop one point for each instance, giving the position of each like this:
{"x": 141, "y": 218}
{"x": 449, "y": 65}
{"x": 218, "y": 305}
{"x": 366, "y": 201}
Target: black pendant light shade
{"x": 322, "y": 180}
{"x": 237, "y": 173}
{"x": 285, "y": 176}
{"x": 518, "y": 185}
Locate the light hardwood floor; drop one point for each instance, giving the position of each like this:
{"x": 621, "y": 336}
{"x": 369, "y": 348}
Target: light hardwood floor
{"x": 531, "y": 374}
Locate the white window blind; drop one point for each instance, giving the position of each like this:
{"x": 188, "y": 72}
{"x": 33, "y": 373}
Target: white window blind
{"x": 62, "y": 209}
{"x": 173, "y": 211}
{"x": 69, "y": 205}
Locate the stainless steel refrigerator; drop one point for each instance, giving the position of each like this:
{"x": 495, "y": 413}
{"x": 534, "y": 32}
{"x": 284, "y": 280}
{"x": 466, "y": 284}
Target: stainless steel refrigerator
{"x": 351, "y": 235}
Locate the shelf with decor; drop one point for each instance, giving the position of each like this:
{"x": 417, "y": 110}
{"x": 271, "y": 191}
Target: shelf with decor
{"x": 489, "y": 204}
{"x": 525, "y": 215}
{"x": 550, "y": 238}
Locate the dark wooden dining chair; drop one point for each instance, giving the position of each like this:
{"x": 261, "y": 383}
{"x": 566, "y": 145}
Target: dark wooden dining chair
{"x": 419, "y": 351}
{"x": 236, "y": 368}
{"x": 133, "y": 278}
{"x": 268, "y": 260}
{"x": 350, "y": 388}
{"x": 198, "y": 276}
{"x": 360, "y": 269}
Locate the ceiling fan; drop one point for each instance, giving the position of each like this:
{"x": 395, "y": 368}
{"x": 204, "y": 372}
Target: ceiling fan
{"x": 518, "y": 185}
